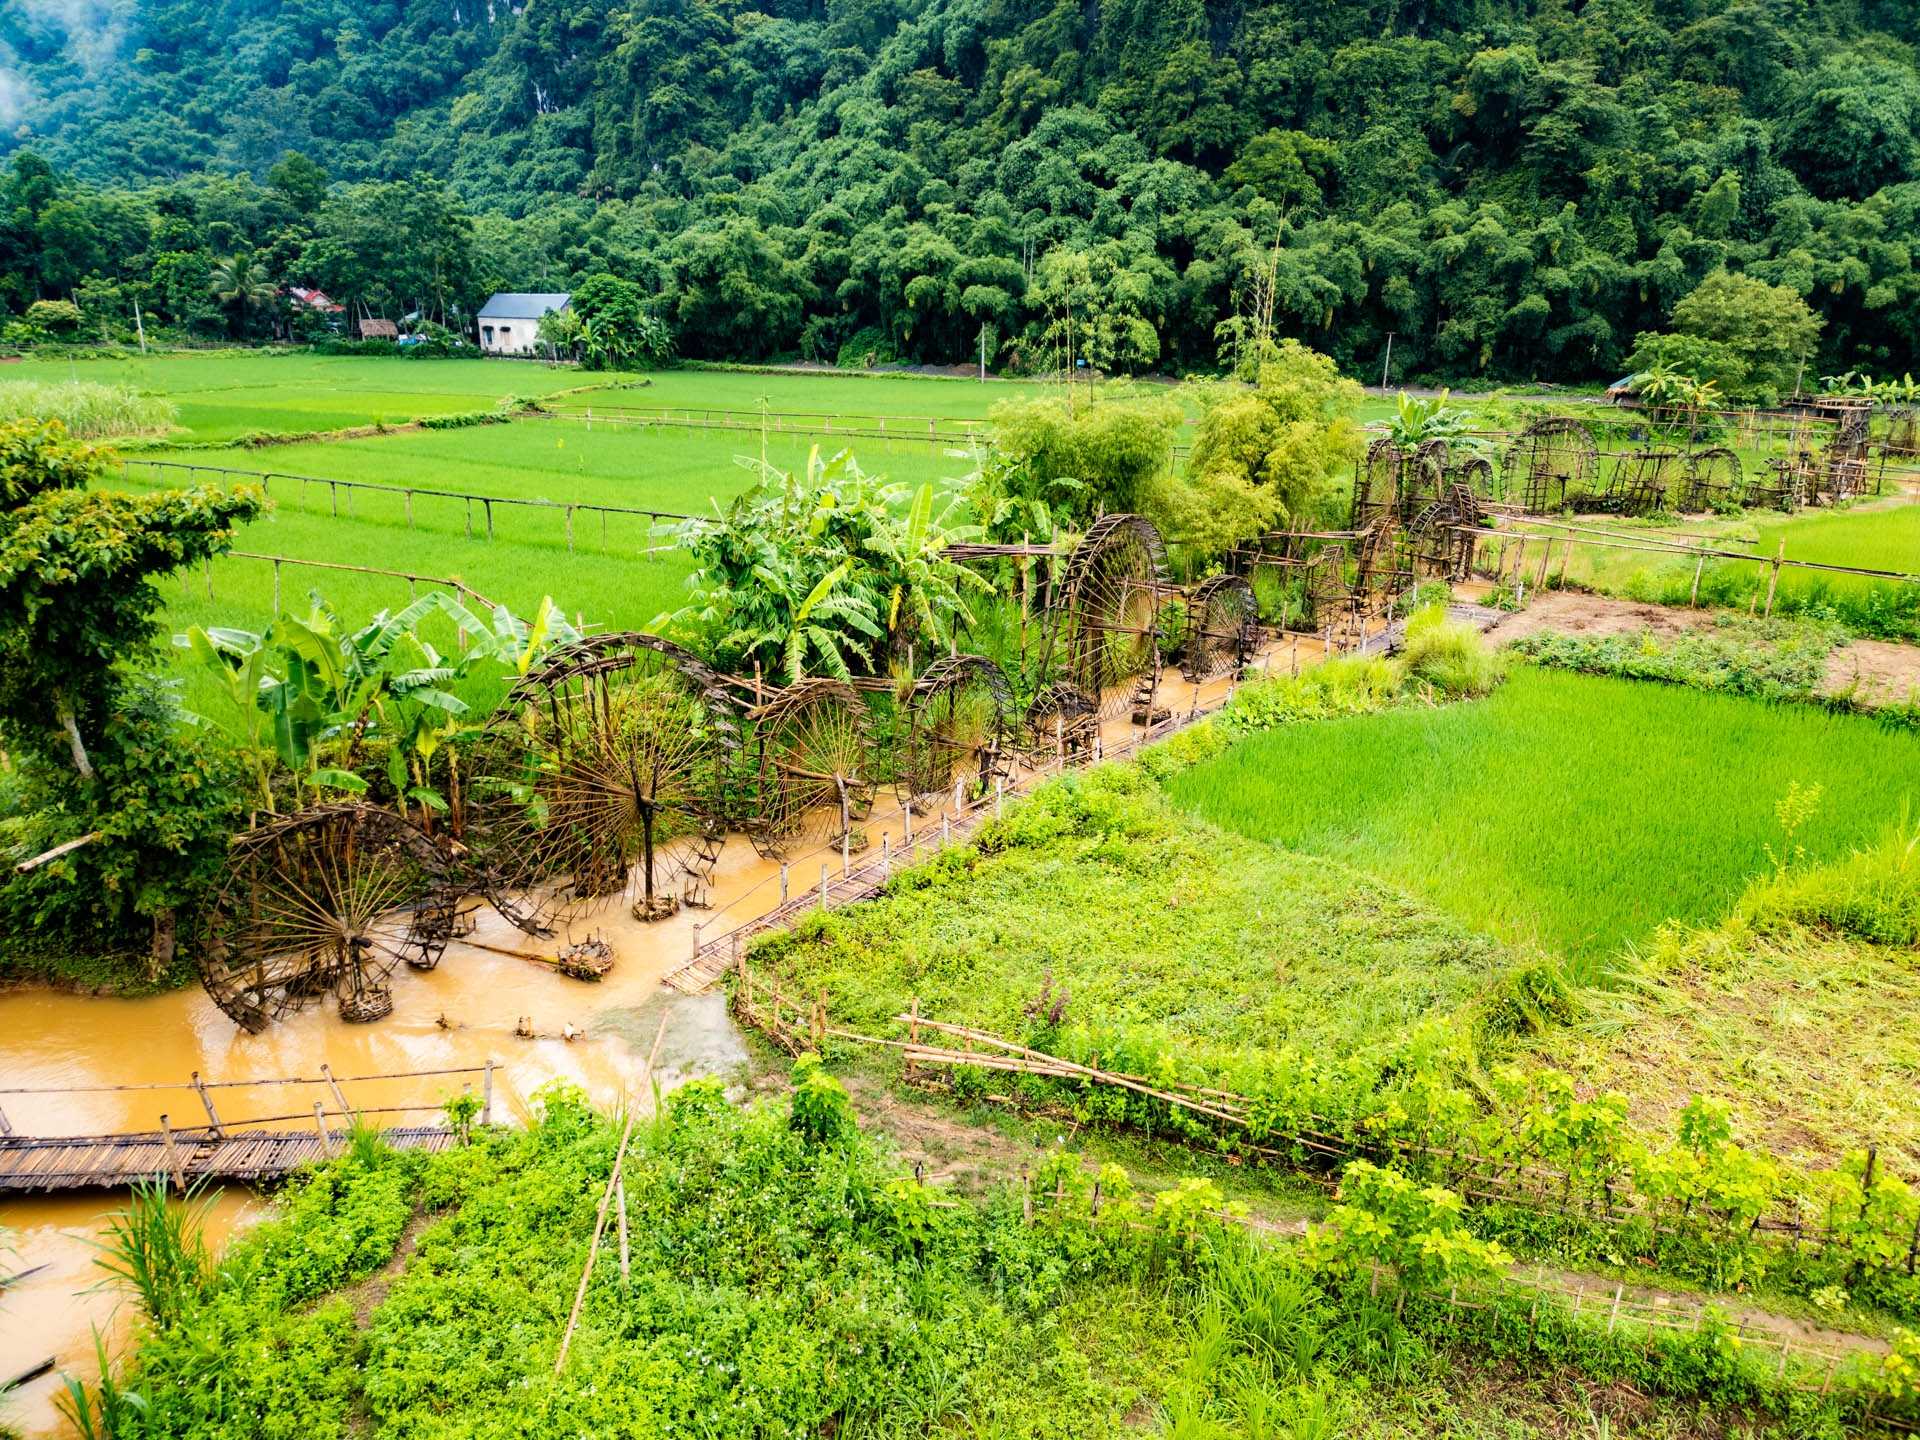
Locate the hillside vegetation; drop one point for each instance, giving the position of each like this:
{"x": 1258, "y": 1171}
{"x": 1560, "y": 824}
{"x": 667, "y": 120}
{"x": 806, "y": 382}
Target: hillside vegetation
{"x": 1513, "y": 189}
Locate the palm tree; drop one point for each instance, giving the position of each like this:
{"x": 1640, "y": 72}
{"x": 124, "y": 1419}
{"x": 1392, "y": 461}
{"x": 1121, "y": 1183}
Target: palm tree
{"x": 240, "y": 281}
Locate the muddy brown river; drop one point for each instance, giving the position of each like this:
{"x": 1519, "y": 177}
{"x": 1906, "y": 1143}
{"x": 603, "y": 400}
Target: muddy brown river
{"x": 474, "y": 1008}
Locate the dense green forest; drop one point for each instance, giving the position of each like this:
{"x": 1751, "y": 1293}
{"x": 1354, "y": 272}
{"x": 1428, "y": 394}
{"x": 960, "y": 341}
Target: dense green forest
{"x": 1513, "y": 188}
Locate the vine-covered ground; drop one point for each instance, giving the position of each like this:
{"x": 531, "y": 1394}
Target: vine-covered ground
{"x": 786, "y": 1278}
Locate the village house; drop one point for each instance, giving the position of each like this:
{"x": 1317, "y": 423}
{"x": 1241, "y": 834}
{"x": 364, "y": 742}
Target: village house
{"x": 510, "y": 321}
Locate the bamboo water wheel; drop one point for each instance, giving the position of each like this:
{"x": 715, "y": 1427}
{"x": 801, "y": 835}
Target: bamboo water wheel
{"x": 1223, "y": 628}
{"x": 1637, "y": 484}
{"x": 1551, "y": 464}
{"x": 1105, "y": 633}
{"x": 326, "y": 902}
{"x": 1061, "y": 721}
{"x": 1376, "y": 485}
{"x": 602, "y": 776}
{"x": 956, "y": 730}
{"x": 1714, "y": 480}
{"x": 1440, "y": 539}
{"x": 810, "y": 766}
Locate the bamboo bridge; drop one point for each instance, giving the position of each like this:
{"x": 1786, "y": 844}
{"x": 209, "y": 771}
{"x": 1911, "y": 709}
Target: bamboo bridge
{"x": 255, "y": 1150}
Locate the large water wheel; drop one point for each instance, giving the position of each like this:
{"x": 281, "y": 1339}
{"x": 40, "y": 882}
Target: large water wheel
{"x": 328, "y": 901}
{"x": 811, "y": 762}
{"x": 1062, "y": 720}
{"x": 1714, "y": 480}
{"x": 1441, "y": 538}
{"x": 1552, "y": 464}
{"x": 601, "y": 775}
{"x": 1223, "y": 628}
{"x": 1376, "y": 484}
{"x": 1105, "y": 634}
{"x": 956, "y": 730}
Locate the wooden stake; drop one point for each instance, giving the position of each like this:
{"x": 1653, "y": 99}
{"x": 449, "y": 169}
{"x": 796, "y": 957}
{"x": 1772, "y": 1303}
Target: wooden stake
{"x": 486, "y": 1095}
{"x": 320, "y": 1124}
{"x": 620, "y": 1200}
{"x": 1773, "y": 577}
{"x": 1693, "y": 598}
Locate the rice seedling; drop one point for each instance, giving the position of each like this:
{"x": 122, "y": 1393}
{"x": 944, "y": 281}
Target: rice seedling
{"x": 90, "y": 411}
{"x": 155, "y": 1249}
{"x": 1565, "y": 810}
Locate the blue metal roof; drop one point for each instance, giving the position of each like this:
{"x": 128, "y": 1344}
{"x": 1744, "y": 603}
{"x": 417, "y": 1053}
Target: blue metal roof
{"x": 515, "y": 305}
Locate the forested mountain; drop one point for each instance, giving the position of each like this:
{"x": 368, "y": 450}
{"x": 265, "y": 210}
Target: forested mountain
{"x": 1514, "y": 189}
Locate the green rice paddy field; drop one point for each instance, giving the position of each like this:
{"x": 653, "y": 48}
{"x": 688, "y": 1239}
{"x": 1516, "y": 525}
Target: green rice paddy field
{"x": 222, "y": 395}
{"x": 608, "y": 578}
{"x": 1568, "y": 811}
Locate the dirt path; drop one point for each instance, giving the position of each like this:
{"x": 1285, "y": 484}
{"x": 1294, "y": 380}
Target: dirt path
{"x": 1874, "y": 672}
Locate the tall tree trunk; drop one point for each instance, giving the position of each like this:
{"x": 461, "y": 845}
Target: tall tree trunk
{"x": 63, "y": 708}
{"x": 160, "y": 953}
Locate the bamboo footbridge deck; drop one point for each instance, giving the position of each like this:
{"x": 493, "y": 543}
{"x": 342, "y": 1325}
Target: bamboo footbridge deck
{"x": 850, "y": 881}
{"x": 258, "y": 1151}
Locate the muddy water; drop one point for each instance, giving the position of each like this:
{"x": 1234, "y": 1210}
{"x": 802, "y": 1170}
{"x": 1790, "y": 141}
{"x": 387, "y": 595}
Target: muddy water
{"x": 472, "y": 1009}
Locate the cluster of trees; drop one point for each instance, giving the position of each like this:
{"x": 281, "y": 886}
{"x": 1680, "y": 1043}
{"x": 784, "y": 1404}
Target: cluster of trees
{"x": 126, "y": 812}
{"x": 1508, "y": 189}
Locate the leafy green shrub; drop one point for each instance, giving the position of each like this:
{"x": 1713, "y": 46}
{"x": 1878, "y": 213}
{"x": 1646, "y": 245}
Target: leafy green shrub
{"x": 1346, "y": 685}
{"x": 1737, "y": 655}
{"x": 1416, "y": 1233}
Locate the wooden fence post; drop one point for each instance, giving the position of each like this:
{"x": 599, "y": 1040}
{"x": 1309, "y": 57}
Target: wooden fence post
{"x": 620, "y": 1199}
{"x": 320, "y": 1124}
{"x": 1700, "y": 564}
{"x": 913, "y": 1035}
{"x": 486, "y": 1095}
{"x": 823, "y": 884}
{"x": 1773, "y": 577}
{"x": 783, "y": 882}
{"x": 339, "y": 1095}
{"x": 177, "y": 1170}
{"x": 213, "y": 1116}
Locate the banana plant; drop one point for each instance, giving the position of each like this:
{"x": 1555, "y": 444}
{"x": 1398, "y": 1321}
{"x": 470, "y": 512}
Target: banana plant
{"x": 305, "y": 700}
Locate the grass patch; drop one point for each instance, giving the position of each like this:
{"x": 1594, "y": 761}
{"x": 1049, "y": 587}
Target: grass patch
{"x": 1753, "y": 1019}
{"x": 1885, "y": 537}
{"x": 1142, "y": 917}
{"x": 1568, "y": 811}
{"x": 89, "y": 410}
{"x": 786, "y": 1279}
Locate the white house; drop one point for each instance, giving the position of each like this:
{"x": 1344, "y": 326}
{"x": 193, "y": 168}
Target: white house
{"x": 510, "y": 322}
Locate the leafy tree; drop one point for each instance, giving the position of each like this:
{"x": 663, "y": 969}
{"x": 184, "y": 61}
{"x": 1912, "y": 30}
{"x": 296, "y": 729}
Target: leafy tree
{"x": 1263, "y": 454}
{"x": 243, "y": 286}
{"x": 77, "y": 602}
{"x": 77, "y": 612}
{"x": 1765, "y": 334}
{"x": 831, "y": 572}
{"x": 1077, "y": 459}
{"x": 616, "y": 330}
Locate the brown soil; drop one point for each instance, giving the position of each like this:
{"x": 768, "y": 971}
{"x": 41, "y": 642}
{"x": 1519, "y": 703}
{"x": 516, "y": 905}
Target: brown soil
{"x": 1572, "y": 612}
{"x": 1878, "y": 672}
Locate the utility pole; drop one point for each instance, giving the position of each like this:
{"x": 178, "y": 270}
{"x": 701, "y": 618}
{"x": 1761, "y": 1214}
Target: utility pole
{"x": 1387, "y": 364}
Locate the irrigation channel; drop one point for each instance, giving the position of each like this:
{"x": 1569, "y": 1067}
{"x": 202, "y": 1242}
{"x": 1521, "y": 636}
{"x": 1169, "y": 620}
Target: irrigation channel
{"x": 75, "y": 1065}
